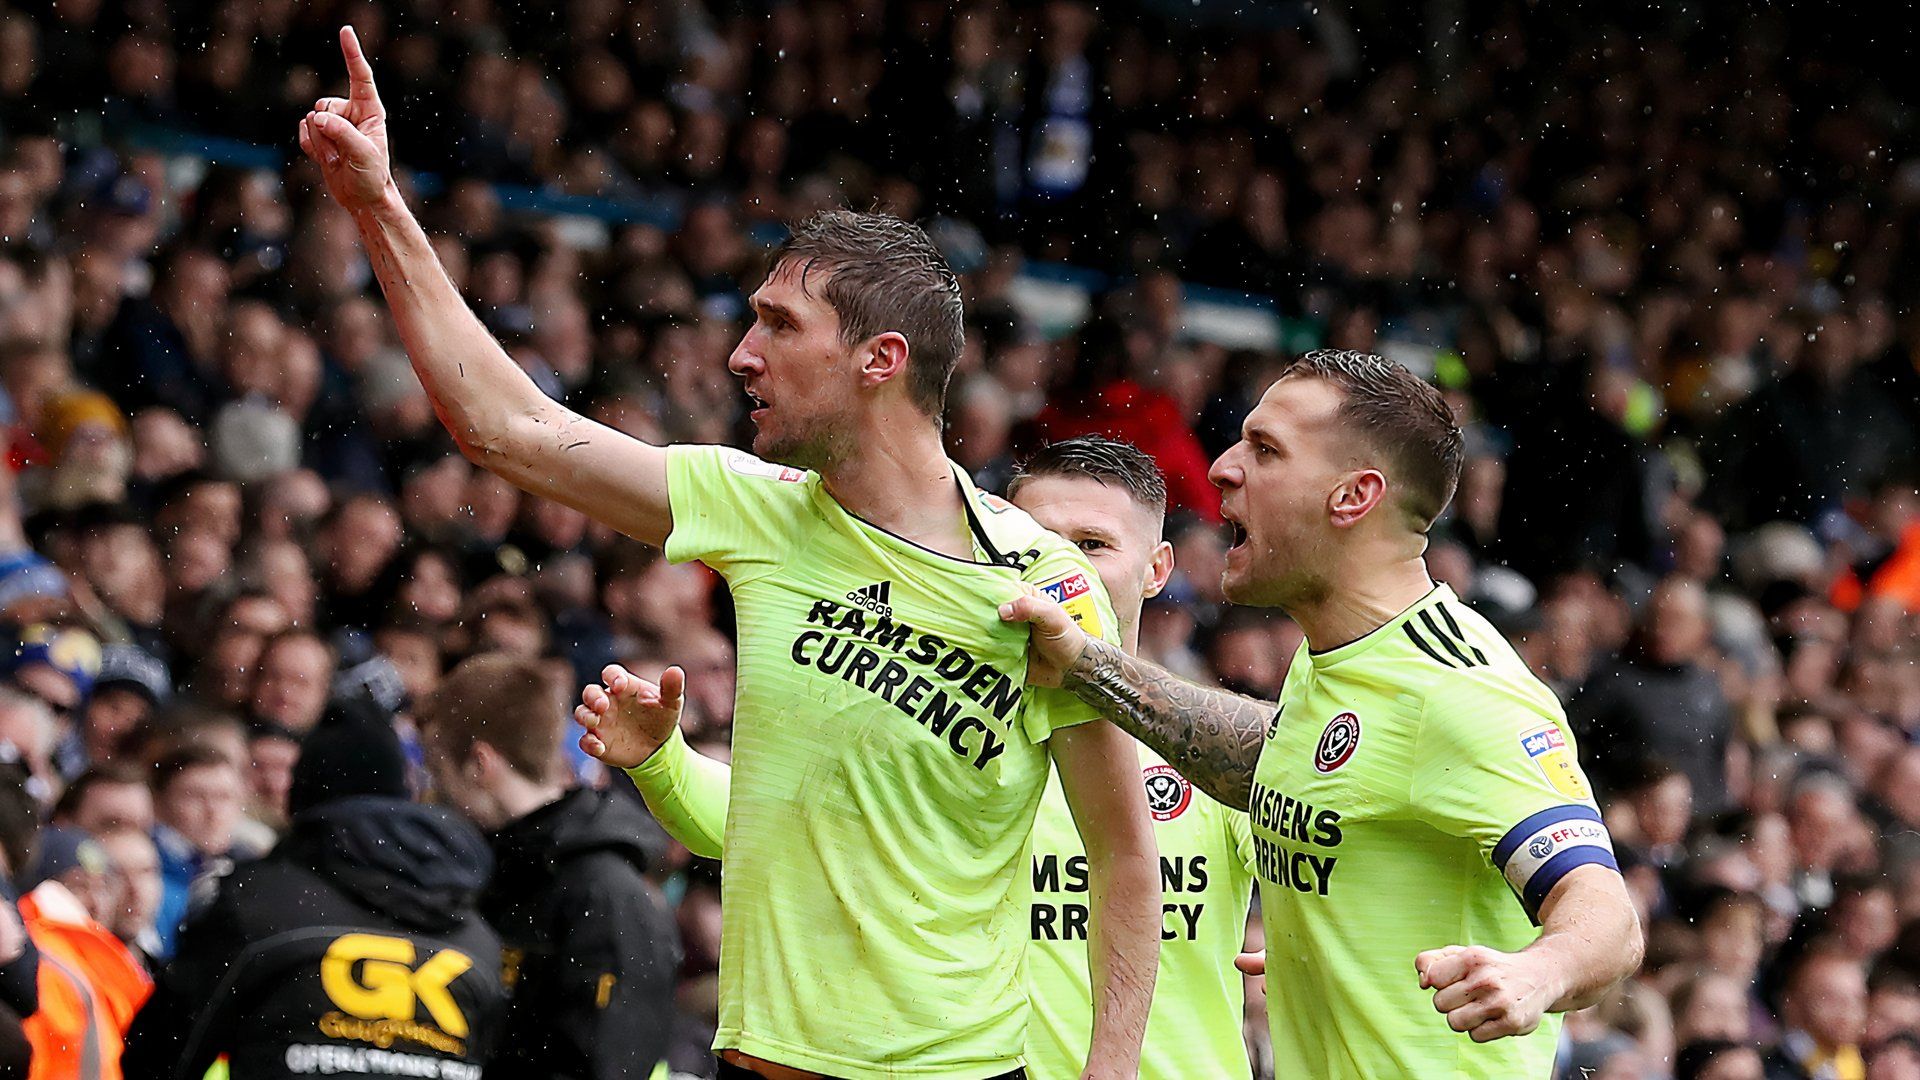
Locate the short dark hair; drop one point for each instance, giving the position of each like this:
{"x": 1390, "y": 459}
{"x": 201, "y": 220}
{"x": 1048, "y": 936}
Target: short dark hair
{"x": 511, "y": 703}
{"x": 103, "y": 775}
{"x": 1403, "y": 416}
{"x": 1109, "y": 461}
{"x": 185, "y": 759}
{"x": 1692, "y": 1059}
{"x": 885, "y": 274}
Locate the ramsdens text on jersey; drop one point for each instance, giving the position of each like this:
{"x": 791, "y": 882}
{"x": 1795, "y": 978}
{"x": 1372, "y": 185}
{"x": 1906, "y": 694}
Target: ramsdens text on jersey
{"x": 1289, "y": 819}
{"x": 851, "y": 647}
{"x": 1066, "y": 920}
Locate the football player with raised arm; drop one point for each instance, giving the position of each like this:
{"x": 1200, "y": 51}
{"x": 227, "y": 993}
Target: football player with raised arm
{"x": 889, "y": 755}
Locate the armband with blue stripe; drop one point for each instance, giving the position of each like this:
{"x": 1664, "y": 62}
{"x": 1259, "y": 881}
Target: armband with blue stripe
{"x": 1535, "y": 854}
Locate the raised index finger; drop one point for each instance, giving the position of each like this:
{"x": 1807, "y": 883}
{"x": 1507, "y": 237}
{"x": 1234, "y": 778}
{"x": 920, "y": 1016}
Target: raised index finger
{"x": 359, "y": 72}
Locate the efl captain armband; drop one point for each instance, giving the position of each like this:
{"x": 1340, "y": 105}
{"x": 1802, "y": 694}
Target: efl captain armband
{"x": 1074, "y": 592}
{"x": 1538, "y": 852}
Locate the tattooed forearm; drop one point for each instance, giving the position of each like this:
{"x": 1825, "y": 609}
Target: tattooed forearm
{"x": 1212, "y": 736}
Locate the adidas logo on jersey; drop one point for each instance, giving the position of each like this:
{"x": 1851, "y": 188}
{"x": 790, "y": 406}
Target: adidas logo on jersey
{"x": 875, "y": 598}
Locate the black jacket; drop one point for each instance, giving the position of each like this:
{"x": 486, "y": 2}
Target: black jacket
{"x": 355, "y": 940}
{"x": 1638, "y": 709}
{"x": 591, "y": 946}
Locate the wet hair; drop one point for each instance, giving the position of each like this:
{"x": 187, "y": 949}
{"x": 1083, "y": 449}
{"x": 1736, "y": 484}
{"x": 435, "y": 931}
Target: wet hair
{"x": 1401, "y": 415}
{"x": 884, "y": 274}
{"x": 1110, "y": 461}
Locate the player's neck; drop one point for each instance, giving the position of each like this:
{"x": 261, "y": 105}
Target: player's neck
{"x": 900, "y": 480}
{"x": 1362, "y": 600}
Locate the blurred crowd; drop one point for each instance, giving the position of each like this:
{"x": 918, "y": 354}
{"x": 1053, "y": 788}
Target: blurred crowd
{"x": 1665, "y": 263}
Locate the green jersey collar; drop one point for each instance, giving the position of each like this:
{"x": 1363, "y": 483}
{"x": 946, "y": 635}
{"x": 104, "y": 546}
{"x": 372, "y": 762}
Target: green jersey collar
{"x": 1383, "y": 632}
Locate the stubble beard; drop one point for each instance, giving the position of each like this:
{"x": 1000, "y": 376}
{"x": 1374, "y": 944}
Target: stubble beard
{"x": 815, "y": 446}
{"x": 1291, "y": 589}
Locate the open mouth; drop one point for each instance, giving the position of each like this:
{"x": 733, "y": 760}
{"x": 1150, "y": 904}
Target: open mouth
{"x": 755, "y": 404}
{"x": 1235, "y": 531}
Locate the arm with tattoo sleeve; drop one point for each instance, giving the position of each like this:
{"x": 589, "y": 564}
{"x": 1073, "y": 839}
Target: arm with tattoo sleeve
{"x": 1211, "y": 736}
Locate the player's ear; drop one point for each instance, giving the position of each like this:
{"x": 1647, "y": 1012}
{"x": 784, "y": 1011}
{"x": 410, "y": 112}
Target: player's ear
{"x": 1159, "y": 569}
{"x": 1355, "y": 496}
{"x": 883, "y": 357}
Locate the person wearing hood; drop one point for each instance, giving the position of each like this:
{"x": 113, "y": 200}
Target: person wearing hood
{"x": 353, "y": 948}
{"x": 591, "y": 945}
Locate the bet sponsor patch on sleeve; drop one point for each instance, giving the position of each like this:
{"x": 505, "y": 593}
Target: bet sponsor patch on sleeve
{"x": 1549, "y": 751}
{"x": 1074, "y": 592}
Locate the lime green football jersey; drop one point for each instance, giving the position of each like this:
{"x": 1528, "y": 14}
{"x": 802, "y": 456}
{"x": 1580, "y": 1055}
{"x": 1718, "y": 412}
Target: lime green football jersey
{"x": 887, "y": 762}
{"x": 1206, "y": 873}
{"x": 1418, "y": 788}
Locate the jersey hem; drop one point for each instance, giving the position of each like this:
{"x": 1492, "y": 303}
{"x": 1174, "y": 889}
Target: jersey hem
{"x": 799, "y": 1057}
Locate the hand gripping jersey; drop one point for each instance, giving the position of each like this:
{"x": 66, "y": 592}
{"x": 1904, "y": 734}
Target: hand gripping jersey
{"x": 887, "y": 761}
{"x": 1418, "y": 788}
{"x": 1206, "y": 874}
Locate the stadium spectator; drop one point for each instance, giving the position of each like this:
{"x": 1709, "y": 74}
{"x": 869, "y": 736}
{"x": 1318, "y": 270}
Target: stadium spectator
{"x": 137, "y": 890}
{"x": 106, "y": 799}
{"x": 366, "y": 888}
{"x": 197, "y": 795}
{"x": 132, "y": 684}
{"x": 592, "y": 949}
{"x": 1658, "y": 701}
{"x": 91, "y": 985}
{"x": 1823, "y": 1015}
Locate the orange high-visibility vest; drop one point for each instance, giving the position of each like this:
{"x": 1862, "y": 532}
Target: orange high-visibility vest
{"x": 1898, "y": 577}
{"x": 90, "y": 988}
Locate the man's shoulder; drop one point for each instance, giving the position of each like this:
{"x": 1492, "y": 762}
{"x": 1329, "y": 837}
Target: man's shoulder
{"x": 1024, "y": 541}
{"x": 718, "y": 464}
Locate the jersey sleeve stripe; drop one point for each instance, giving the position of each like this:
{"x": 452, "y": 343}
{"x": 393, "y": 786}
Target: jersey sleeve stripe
{"x": 1544, "y": 879}
{"x": 1455, "y": 627}
{"x": 1525, "y": 831}
{"x": 1441, "y": 636}
{"x": 1422, "y": 642}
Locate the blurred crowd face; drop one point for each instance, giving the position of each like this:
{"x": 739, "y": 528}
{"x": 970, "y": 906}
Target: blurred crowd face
{"x": 1679, "y": 632}
{"x": 1733, "y": 939}
{"x": 1120, "y": 537}
{"x": 112, "y": 715}
{"x": 1891, "y": 1009}
{"x": 270, "y": 776}
{"x": 804, "y": 380}
{"x": 1717, "y": 1009}
{"x": 136, "y": 882}
{"x": 1827, "y": 999}
{"x": 203, "y": 804}
{"x": 126, "y": 570}
{"x": 296, "y": 672}
{"x": 96, "y": 890}
{"x": 1895, "y": 1061}
{"x": 111, "y": 807}
{"x": 1736, "y": 1063}
{"x": 359, "y": 543}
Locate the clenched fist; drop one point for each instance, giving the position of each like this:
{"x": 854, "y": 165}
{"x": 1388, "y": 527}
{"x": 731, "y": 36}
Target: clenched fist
{"x": 1484, "y": 992}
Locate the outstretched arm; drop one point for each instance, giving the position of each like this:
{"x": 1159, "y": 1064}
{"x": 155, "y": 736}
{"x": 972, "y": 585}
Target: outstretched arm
{"x": 1211, "y": 736}
{"x": 498, "y": 416}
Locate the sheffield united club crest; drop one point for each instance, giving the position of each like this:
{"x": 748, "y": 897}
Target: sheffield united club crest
{"x": 1168, "y": 793}
{"x": 1337, "y": 743}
